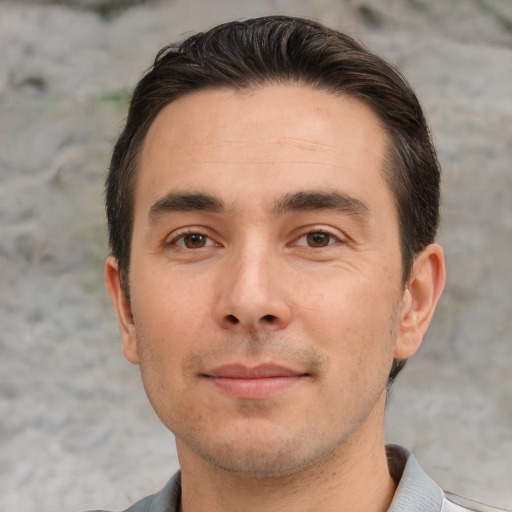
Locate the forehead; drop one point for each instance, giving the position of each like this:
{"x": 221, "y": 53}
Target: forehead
{"x": 280, "y": 135}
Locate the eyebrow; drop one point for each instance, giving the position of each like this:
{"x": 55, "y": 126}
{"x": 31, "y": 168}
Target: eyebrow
{"x": 183, "y": 202}
{"x": 298, "y": 201}
{"x": 319, "y": 200}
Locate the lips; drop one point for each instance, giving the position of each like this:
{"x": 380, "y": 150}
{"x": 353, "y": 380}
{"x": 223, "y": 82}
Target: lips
{"x": 253, "y": 383}
{"x": 238, "y": 371}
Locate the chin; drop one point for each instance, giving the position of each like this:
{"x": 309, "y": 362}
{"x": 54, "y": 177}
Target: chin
{"x": 265, "y": 456}
{"x": 262, "y": 466}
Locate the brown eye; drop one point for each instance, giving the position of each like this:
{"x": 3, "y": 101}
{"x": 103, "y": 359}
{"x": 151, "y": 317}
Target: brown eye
{"x": 318, "y": 239}
{"x": 194, "y": 241}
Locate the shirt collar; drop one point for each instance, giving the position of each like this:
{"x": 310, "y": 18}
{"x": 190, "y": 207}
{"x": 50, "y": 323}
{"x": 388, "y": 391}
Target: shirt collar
{"x": 416, "y": 491}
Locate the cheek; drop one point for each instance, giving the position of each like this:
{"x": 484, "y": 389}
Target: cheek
{"x": 354, "y": 322}
{"x": 172, "y": 319}
{"x": 169, "y": 304}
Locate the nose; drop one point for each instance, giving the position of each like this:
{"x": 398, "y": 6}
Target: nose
{"x": 252, "y": 294}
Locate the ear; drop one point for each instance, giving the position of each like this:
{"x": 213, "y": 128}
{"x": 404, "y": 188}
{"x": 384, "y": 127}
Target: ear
{"x": 123, "y": 309}
{"x": 420, "y": 298}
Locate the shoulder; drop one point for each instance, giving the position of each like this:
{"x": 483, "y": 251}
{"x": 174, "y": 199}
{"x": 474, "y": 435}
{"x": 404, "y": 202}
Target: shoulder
{"x": 453, "y": 503}
{"x": 166, "y": 500}
{"x": 417, "y": 492}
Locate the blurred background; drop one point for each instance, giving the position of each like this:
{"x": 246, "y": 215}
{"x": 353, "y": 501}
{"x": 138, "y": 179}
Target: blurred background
{"x": 76, "y": 429}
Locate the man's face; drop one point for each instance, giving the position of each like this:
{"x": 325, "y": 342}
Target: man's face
{"x": 265, "y": 276}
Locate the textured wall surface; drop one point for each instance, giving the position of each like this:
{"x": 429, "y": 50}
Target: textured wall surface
{"x": 76, "y": 429}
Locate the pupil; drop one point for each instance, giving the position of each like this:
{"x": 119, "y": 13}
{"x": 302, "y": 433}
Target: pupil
{"x": 195, "y": 240}
{"x": 318, "y": 239}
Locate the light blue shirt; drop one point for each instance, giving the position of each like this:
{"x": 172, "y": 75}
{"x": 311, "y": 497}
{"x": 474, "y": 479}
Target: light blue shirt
{"x": 416, "y": 491}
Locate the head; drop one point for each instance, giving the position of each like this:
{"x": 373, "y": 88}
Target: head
{"x": 282, "y": 50}
{"x": 272, "y": 204}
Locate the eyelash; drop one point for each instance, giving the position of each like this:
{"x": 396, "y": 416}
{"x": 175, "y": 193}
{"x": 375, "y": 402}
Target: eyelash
{"x": 181, "y": 237}
{"x": 190, "y": 232}
{"x": 332, "y": 239}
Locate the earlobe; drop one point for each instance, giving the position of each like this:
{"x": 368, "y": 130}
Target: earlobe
{"x": 123, "y": 309}
{"x": 420, "y": 299}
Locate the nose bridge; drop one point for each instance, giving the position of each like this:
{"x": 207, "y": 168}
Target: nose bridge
{"x": 252, "y": 269}
{"x": 251, "y": 294}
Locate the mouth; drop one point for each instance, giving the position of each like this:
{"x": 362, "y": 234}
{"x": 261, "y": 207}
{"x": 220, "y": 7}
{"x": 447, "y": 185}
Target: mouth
{"x": 254, "y": 383}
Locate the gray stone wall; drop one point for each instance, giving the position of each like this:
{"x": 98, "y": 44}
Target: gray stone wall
{"x": 76, "y": 429}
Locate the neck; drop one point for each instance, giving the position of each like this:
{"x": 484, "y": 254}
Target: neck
{"x": 355, "y": 478}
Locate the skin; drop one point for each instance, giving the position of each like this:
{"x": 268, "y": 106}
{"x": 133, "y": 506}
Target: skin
{"x": 264, "y": 233}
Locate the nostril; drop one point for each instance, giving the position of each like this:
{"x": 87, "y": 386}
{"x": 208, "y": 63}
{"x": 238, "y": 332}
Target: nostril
{"x": 233, "y": 319}
{"x": 269, "y": 318}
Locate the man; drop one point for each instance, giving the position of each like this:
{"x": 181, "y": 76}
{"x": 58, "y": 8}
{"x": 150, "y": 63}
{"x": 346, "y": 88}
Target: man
{"x": 272, "y": 204}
